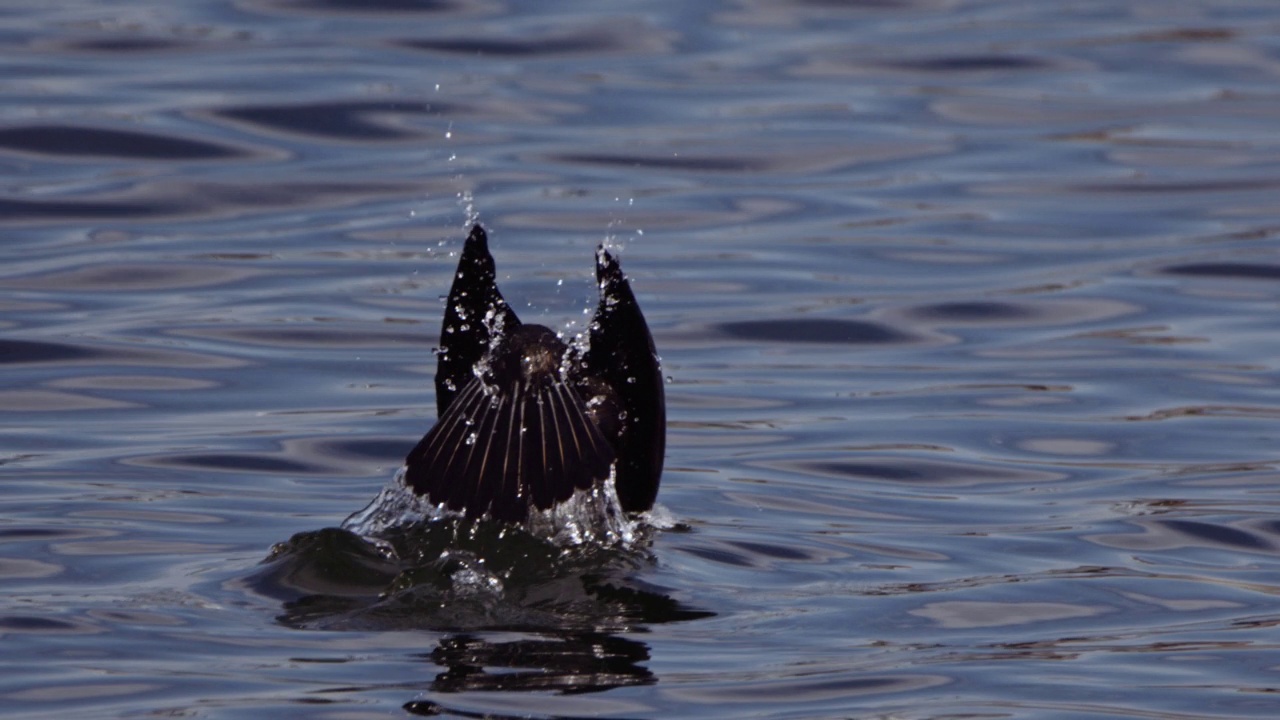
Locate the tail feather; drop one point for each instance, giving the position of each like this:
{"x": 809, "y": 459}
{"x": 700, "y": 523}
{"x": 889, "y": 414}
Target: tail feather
{"x": 500, "y": 456}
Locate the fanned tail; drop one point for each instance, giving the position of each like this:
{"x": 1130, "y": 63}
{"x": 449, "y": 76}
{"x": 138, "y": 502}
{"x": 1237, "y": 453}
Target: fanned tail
{"x": 502, "y": 452}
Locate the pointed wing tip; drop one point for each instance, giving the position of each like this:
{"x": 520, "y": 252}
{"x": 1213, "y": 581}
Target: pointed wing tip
{"x": 464, "y": 334}
{"x": 475, "y": 251}
{"x": 608, "y": 270}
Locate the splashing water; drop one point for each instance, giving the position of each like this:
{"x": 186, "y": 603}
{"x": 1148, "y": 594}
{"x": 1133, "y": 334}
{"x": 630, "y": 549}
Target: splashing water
{"x": 469, "y": 207}
{"x": 589, "y": 517}
{"x": 394, "y": 506}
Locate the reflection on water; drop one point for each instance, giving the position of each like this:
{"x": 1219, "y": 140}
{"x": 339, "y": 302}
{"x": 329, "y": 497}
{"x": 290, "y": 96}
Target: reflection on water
{"x": 968, "y": 311}
{"x": 461, "y": 578}
{"x": 455, "y": 575}
{"x": 568, "y": 663}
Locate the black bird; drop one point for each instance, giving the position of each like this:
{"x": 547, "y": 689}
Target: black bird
{"x": 525, "y": 420}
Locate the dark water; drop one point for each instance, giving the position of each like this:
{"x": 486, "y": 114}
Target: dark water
{"x": 969, "y": 310}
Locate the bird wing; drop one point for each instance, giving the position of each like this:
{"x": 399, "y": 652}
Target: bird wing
{"x": 475, "y": 312}
{"x": 621, "y": 353}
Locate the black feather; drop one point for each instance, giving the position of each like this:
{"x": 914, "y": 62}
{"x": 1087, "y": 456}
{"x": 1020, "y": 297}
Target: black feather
{"x": 474, "y": 311}
{"x": 621, "y": 355}
{"x": 523, "y": 421}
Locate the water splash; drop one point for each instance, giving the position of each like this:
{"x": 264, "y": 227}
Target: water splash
{"x": 394, "y": 506}
{"x": 468, "y": 204}
{"x": 589, "y": 517}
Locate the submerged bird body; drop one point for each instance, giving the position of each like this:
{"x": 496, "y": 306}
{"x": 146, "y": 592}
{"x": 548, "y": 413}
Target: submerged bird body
{"x": 526, "y": 420}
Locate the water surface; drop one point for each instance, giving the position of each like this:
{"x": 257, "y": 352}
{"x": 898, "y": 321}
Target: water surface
{"x": 968, "y": 312}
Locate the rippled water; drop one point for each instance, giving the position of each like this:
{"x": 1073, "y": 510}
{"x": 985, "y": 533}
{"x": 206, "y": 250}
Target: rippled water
{"x": 968, "y": 310}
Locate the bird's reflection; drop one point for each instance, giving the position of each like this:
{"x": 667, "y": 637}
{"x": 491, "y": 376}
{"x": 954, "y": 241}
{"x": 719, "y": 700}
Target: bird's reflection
{"x": 519, "y": 613}
{"x": 570, "y": 663}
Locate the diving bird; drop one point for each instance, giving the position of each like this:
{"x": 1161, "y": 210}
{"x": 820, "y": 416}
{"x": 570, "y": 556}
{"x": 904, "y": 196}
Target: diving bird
{"x": 524, "y": 418}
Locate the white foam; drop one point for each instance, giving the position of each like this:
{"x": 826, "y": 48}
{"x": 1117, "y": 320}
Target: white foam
{"x": 471, "y": 578}
{"x": 396, "y": 505}
{"x": 593, "y": 516}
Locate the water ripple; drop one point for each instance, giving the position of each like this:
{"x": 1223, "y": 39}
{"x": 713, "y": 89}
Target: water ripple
{"x": 968, "y": 311}
{"x": 815, "y": 330}
{"x": 622, "y": 35}
{"x": 352, "y": 121}
{"x": 90, "y": 142}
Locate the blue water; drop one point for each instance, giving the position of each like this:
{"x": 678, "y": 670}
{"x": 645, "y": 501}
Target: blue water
{"x": 968, "y": 310}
